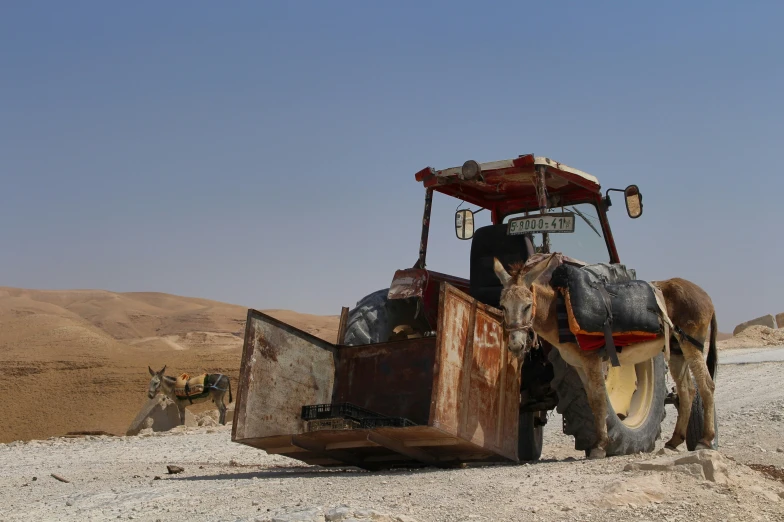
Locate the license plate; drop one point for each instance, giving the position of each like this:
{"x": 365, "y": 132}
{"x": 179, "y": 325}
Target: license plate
{"x": 553, "y": 223}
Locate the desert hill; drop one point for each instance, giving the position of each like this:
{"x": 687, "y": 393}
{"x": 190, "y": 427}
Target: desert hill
{"x": 77, "y": 359}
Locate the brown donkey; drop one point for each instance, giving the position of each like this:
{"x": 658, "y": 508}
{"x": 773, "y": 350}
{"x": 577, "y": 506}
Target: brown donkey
{"x": 529, "y": 305}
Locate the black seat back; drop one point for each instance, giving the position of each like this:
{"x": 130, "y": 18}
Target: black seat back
{"x": 489, "y": 242}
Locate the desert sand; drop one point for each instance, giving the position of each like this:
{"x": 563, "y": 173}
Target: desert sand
{"x": 77, "y": 360}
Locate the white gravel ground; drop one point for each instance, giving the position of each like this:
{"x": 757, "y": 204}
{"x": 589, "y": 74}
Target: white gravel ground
{"x": 115, "y": 477}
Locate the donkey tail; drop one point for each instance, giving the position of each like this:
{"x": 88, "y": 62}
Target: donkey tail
{"x": 713, "y": 354}
{"x": 230, "y": 397}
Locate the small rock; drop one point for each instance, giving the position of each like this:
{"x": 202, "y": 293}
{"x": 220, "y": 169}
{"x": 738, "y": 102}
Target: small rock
{"x": 703, "y": 464}
{"x": 337, "y": 514}
{"x": 69, "y": 502}
{"x": 208, "y": 422}
{"x": 780, "y": 450}
{"x": 254, "y": 503}
{"x": 173, "y": 470}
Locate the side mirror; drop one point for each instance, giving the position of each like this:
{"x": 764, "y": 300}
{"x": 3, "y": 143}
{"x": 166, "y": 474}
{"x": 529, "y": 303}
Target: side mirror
{"x": 464, "y": 224}
{"x": 633, "y": 199}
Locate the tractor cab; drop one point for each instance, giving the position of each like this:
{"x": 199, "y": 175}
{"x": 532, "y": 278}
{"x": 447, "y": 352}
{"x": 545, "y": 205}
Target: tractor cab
{"x": 537, "y": 205}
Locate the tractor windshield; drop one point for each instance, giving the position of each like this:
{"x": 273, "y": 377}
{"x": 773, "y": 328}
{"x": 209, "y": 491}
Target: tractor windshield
{"x": 586, "y": 243}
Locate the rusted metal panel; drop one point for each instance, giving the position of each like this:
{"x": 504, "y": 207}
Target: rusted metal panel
{"x": 408, "y": 283}
{"x": 461, "y": 387}
{"x": 282, "y": 369}
{"x": 476, "y": 392}
{"x": 393, "y": 379}
{"x": 342, "y": 325}
{"x": 423, "y": 284}
{"x": 454, "y": 316}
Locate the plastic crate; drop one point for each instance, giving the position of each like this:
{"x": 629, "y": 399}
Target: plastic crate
{"x": 332, "y": 424}
{"x": 379, "y": 422}
{"x": 341, "y": 409}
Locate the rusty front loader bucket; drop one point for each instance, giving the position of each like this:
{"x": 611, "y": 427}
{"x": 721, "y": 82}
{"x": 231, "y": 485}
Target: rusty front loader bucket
{"x": 432, "y": 401}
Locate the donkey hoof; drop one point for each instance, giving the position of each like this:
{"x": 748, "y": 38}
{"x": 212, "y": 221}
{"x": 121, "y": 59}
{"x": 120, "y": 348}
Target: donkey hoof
{"x": 597, "y": 453}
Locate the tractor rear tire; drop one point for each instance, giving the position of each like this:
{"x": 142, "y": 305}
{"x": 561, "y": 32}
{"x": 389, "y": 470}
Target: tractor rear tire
{"x": 578, "y": 417}
{"x": 530, "y": 434}
{"x": 377, "y": 319}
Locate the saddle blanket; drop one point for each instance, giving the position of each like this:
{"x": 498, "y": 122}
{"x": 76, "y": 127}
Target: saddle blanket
{"x": 187, "y": 386}
{"x": 633, "y": 305}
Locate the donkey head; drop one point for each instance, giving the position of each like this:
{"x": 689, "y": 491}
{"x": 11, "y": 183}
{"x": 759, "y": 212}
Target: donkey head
{"x": 517, "y": 302}
{"x": 155, "y": 382}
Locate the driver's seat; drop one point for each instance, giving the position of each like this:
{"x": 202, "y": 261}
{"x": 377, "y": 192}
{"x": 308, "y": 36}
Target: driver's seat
{"x": 489, "y": 242}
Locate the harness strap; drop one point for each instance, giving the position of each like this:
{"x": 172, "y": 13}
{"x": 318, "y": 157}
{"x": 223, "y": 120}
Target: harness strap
{"x": 609, "y": 344}
{"x": 699, "y": 345}
{"x": 214, "y": 384}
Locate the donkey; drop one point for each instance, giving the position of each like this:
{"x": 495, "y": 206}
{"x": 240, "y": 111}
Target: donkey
{"x": 529, "y": 306}
{"x": 215, "y": 387}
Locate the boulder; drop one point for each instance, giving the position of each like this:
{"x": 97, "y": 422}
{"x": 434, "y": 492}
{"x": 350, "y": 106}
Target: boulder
{"x": 158, "y": 414}
{"x": 701, "y": 464}
{"x": 765, "y": 320}
{"x": 780, "y": 320}
{"x": 191, "y": 420}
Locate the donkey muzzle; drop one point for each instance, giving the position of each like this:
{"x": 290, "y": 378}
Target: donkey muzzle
{"x": 520, "y": 340}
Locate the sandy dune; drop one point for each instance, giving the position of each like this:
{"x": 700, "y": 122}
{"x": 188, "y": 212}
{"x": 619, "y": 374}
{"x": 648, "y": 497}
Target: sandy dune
{"x": 77, "y": 359}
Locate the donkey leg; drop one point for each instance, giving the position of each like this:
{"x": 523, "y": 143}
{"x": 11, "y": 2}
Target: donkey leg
{"x": 706, "y": 386}
{"x": 222, "y": 411}
{"x": 597, "y": 399}
{"x": 217, "y": 398}
{"x": 679, "y": 370}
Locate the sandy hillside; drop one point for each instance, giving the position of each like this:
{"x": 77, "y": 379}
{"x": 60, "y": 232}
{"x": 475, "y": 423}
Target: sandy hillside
{"x": 77, "y": 359}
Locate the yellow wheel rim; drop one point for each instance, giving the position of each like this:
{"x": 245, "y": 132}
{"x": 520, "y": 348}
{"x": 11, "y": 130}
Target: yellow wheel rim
{"x": 630, "y": 389}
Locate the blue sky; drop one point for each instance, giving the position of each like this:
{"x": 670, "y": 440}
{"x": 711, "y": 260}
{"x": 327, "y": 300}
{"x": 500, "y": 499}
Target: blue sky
{"x": 263, "y": 153}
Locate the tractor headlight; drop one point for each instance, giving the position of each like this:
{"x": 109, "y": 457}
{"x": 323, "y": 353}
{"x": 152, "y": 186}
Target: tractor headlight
{"x": 470, "y": 170}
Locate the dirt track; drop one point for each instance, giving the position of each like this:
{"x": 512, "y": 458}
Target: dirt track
{"x": 114, "y": 477}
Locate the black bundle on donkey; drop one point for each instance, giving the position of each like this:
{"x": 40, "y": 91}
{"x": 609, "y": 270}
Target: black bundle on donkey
{"x": 596, "y": 309}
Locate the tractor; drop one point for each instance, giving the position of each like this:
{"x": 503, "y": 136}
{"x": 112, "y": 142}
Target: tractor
{"x": 419, "y": 373}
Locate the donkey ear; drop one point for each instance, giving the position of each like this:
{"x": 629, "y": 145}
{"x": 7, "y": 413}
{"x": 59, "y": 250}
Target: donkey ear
{"x": 162, "y": 370}
{"x": 501, "y": 272}
{"x": 151, "y": 371}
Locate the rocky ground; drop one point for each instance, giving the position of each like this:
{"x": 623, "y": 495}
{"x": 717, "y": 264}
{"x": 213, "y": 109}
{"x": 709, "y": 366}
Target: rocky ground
{"x": 127, "y": 477}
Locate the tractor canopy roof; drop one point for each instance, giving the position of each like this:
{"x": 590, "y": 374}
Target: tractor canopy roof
{"x": 508, "y": 186}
